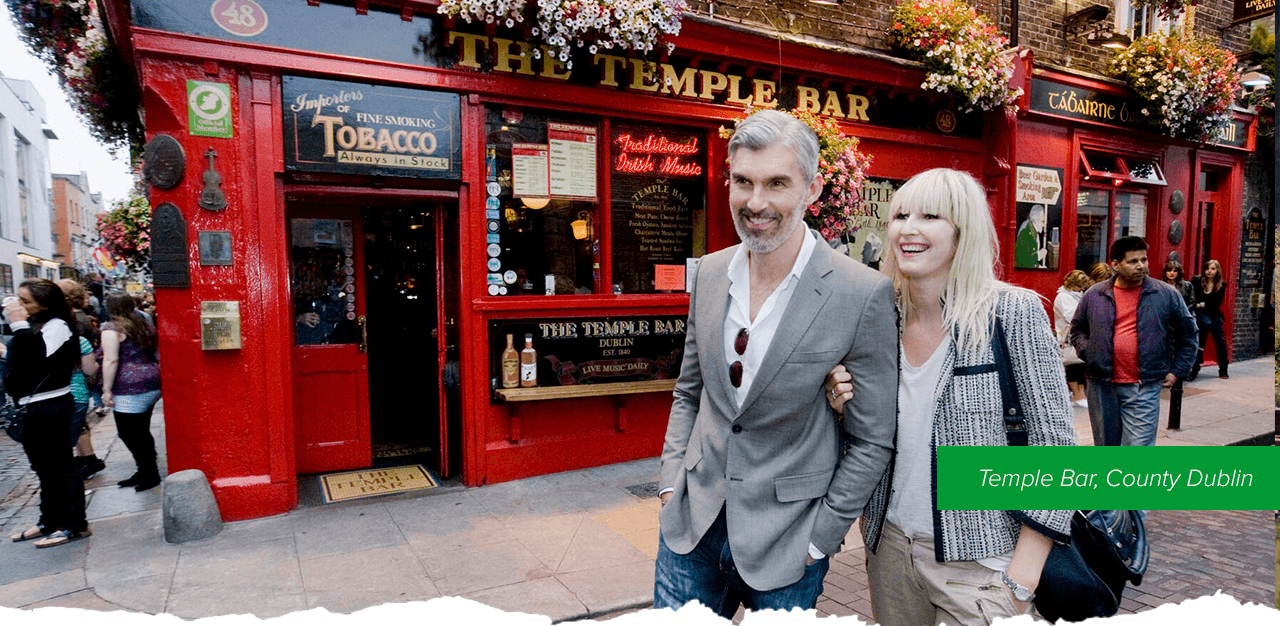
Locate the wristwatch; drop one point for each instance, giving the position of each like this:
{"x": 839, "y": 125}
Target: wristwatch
{"x": 1020, "y": 593}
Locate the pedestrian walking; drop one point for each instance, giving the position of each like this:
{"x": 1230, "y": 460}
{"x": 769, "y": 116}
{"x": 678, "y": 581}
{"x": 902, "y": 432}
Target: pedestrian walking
{"x": 963, "y": 568}
{"x": 1064, "y": 308}
{"x": 131, "y": 384}
{"x": 1210, "y": 290}
{"x": 41, "y": 357}
{"x": 756, "y": 496}
{"x": 1135, "y": 334}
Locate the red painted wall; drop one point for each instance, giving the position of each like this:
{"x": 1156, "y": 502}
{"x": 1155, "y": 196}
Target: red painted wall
{"x": 227, "y": 413}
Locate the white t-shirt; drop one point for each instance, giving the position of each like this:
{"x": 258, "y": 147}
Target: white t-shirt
{"x": 911, "y": 502}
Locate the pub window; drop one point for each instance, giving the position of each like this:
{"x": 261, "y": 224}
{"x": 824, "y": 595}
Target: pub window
{"x": 1104, "y": 215}
{"x": 543, "y": 191}
{"x": 20, "y": 168}
{"x": 1120, "y": 169}
{"x": 6, "y": 279}
{"x": 658, "y": 183}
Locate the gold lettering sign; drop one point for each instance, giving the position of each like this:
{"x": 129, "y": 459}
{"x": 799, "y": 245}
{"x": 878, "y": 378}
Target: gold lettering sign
{"x": 667, "y": 79}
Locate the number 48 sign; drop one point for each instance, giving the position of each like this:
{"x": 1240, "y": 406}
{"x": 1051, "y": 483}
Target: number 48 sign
{"x": 245, "y": 18}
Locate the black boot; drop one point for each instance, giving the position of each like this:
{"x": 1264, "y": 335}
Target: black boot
{"x": 132, "y": 480}
{"x": 148, "y": 481}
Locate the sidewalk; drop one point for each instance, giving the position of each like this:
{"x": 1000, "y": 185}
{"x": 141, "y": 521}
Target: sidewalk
{"x": 574, "y": 545}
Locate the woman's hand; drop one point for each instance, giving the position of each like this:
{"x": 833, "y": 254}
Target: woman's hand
{"x": 108, "y": 399}
{"x": 14, "y": 311}
{"x": 839, "y": 389}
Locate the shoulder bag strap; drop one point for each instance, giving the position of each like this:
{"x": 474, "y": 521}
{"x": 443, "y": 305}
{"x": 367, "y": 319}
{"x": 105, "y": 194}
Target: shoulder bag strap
{"x": 1015, "y": 422}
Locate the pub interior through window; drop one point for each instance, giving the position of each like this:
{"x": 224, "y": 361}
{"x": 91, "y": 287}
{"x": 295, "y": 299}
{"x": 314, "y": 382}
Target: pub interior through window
{"x": 542, "y": 198}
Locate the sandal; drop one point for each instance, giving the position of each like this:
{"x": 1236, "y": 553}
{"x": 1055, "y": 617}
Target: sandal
{"x": 60, "y": 537}
{"x": 35, "y": 532}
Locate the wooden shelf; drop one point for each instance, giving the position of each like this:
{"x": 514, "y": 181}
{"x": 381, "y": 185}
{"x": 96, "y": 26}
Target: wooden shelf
{"x": 529, "y": 394}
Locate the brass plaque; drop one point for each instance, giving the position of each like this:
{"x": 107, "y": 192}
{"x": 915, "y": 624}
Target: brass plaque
{"x": 220, "y": 325}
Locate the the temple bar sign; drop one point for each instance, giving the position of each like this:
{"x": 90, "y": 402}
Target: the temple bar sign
{"x": 1249, "y": 10}
{"x": 354, "y": 128}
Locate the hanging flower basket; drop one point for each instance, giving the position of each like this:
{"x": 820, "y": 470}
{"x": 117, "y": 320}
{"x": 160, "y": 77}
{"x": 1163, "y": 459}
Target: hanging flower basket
{"x": 68, "y": 35}
{"x": 844, "y": 174}
{"x": 628, "y": 25}
{"x": 1167, "y": 9}
{"x": 1187, "y": 84}
{"x": 963, "y": 54}
{"x": 126, "y": 232}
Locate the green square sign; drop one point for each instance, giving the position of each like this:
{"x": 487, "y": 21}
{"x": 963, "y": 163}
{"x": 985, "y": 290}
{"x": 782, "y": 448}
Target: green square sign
{"x": 208, "y": 109}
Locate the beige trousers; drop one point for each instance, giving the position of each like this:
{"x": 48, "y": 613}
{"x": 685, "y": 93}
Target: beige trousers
{"x": 909, "y": 587}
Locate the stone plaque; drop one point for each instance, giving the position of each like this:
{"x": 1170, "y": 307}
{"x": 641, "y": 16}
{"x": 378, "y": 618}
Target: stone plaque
{"x": 163, "y": 162}
{"x": 1177, "y": 201}
{"x": 169, "y": 265}
{"x": 1175, "y": 232}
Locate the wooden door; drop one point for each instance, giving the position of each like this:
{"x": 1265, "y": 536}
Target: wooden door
{"x": 330, "y": 361}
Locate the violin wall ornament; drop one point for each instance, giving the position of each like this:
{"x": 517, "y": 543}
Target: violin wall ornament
{"x": 211, "y": 197}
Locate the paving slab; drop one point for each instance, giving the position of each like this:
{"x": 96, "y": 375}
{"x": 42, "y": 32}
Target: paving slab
{"x": 24, "y": 593}
{"x": 333, "y": 530}
{"x": 475, "y": 568}
{"x": 345, "y": 583}
{"x": 608, "y": 588}
{"x": 545, "y": 596}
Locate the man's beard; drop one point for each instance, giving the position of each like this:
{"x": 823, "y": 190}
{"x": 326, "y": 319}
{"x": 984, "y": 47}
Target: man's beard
{"x": 765, "y": 245}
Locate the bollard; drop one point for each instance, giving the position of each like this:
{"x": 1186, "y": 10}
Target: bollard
{"x": 1175, "y": 406}
{"x": 190, "y": 512}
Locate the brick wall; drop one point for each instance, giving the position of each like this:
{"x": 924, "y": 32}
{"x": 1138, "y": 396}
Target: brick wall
{"x": 1248, "y": 339}
{"x": 863, "y": 23}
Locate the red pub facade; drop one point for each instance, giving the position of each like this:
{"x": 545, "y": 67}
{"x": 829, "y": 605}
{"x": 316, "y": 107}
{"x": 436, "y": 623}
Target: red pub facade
{"x": 406, "y": 197}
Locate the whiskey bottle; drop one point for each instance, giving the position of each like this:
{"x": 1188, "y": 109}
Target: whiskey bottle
{"x": 510, "y": 365}
{"x": 528, "y": 363}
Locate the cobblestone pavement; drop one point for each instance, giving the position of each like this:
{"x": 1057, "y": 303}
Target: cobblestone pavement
{"x": 1193, "y": 554}
{"x": 19, "y": 488}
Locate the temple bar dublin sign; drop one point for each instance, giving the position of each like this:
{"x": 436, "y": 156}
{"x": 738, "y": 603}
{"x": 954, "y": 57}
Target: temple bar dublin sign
{"x": 355, "y": 128}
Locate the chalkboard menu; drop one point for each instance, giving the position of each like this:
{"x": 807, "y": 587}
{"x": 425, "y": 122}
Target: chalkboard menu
{"x": 573, "y": 351}
{"x": 1253, "y": 241}
{"x": 659, "y": 181}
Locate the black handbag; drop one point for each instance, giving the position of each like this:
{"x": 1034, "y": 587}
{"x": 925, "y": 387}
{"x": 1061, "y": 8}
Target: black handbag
{"x": 1085, "y": 577}
{"x": 11, "y": 417}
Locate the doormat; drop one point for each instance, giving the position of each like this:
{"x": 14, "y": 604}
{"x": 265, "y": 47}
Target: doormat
{"x": 375, "y": 482}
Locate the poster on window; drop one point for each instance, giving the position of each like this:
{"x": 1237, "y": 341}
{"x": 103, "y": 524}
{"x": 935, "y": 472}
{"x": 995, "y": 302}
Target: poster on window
{"x": 529, "y": 170}
{"x": 866, "y": 242}
{"x": 658, "y": 194}
{"x": 572, "y": 161}
{"x": 1039, "y": 206}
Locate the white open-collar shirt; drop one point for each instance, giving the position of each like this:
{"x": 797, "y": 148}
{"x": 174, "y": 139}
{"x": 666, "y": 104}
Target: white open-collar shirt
{"x": 738, "y": 313}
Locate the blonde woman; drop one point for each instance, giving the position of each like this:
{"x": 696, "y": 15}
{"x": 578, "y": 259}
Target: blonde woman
{"x": 1209, "y": 293}
{"x": 1064, "y": 308}
{"x": 983, "y": 565}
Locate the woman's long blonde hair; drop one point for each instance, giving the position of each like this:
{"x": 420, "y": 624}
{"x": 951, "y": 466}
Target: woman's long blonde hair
{"x": 972, "y": 290}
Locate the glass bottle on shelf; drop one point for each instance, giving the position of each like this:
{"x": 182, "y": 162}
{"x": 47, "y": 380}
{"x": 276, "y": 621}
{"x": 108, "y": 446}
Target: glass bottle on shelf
{"x": 528, "y": 363}
{"x": 510, "y": 365}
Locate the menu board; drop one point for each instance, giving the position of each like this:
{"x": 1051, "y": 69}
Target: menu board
{"x": 572, "y": 160}
{"x": 529, "y": 170}
{"x": 659, "y": 187}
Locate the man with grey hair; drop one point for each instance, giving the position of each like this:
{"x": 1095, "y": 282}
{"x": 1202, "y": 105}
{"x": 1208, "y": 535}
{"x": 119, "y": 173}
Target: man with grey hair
{"x": 760, "y": 482}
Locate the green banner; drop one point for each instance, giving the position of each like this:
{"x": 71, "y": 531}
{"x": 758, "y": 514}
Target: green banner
{"x": 1084, "y": 477}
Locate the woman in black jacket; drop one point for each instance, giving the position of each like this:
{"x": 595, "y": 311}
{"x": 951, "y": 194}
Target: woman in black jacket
{"x": 42, "y": 354}
{"x": 1210, "y": 290}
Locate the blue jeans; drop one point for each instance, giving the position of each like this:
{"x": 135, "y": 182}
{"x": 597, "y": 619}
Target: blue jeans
{"x": 1124, "y": 414}
{"x": 707, "y": 574}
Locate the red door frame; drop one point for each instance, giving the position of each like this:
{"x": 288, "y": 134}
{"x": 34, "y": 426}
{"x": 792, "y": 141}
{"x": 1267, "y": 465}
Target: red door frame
{"x": 357, "y": 196}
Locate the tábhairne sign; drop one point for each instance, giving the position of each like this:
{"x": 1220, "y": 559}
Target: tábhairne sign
{"x": 354, "y": 128}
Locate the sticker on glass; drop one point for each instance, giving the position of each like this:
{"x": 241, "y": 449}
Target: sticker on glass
{"x": 493, "y": 188}
{"x": 492, "y": 203}
{"x": 494, "y": 265}
{"x": 351, "y": 316}
{"x": 494, "y": 290}
{"x": 494, "y": 249}
{"x": 509, "y": 277}
{"x": 493, "y": 226}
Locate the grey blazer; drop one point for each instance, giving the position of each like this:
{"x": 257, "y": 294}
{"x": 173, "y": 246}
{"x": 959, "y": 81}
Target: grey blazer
{"x": 774, "y": 463}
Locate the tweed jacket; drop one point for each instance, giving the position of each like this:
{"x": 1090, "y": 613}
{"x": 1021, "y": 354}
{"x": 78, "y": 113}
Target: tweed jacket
{"x": 969, "y": 413}
{"x": 773, "y": 463}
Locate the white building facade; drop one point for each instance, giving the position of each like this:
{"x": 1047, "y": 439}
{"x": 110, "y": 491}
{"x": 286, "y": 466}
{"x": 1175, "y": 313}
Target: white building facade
{"x": 26, "y": 207}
